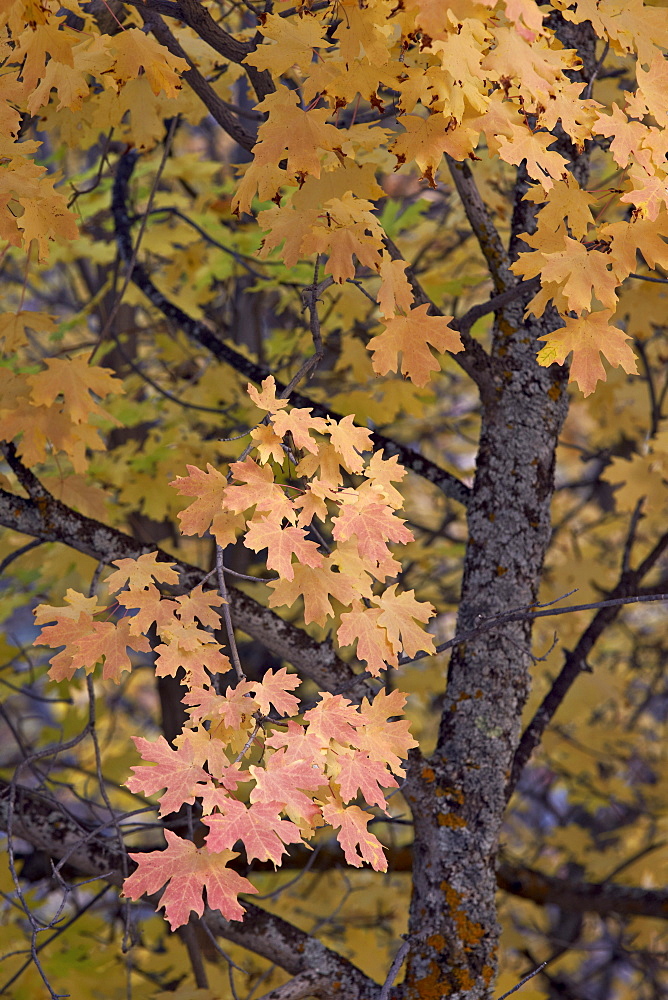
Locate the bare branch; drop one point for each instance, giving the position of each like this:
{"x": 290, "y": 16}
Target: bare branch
{"x": 52, "y": 521}
{"x": 576, "y": 661}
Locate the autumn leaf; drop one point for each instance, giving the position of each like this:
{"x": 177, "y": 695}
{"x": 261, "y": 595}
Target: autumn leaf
{"x": 333, "y": 718}
{"x": 358, "y": 844}
{"x": 372, "y": 523}
{"x": 315, "y": 586}
{"x": 274, "y": 691}
{"x": 410, "y": 336}
{"x": 141, "y": 572}
{"x": 286, "y": 781}
{"x": 359, "y": 773}
{"x": 383, "y": 739}
{"x": 399, "y": 613}
{"x": 281, "y": 544}
{"x": 259, "y": 827}
{"x": 350, "y": 442}
{"x": 266, "y": 399}
{"x": 257, "y": 489}
{"x": 588, "y": 337}
{"x": 299, "y": 423}
{"x": 395, "y": 293}
{"x": 187, "y": 871}
{"x": 362, "y": 625}
{"x": 207, "y": 510}
{"x": 75, "y": 380}
{"x": 175, "y": 771}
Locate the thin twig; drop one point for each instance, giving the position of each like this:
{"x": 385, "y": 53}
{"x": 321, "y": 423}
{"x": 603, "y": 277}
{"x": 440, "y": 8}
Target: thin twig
{"x": 394, "y": 969}
{"x": 523, "y": 981}
{"x": 227, "y": 617}
{"x": 133, "y": 260}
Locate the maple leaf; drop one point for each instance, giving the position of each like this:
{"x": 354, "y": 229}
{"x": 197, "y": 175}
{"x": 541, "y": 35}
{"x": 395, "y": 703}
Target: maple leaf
{"x": 259, "y": 827}
{"x": 207, "y": 511}
{"x": 285, "y": 781}
{"x": 78, "y": 604}
{"x": 382, "y": 739}
{"x": 195, "y": 662}
{"x": 425, "y": 140}
{"x": 349, "y": 441}
{"x": 141, "y": 572}
{"x": 395, "y": 291}
{"x": 299, "y": 743}
{"x": 266, "y": 399}
{"x": 74, "y": 379}
{"x": 362, "y": 625}
{"x": 410, "y": 337}
{"x": 14, "y": 327}
{"x": 299, "y": 423}
{"x": 274, "y": 690}
{"x": 358, "y": 772}
{"x": 136, "y": 51}
{"x": 342, "y": 243}
{"x": 579, "y": 274}
{"x": 187, "y": 870}
{"x": 295, "y": 41}
{"x": 175, "y": 771}
{"x": 373, "y": 524}
{"x": 198, "y": 605}
{"x": 333, "y": 718}
{"x": 382, "y": 472}
{"x": 644, "y": 235}
{"x": 399, "y": 613}
{"x": 258, "y": 490}
{"x": 588, "y": 337}
{"x": 358, "y": 844}
{"x": 268, "y": 443}
{"x": 542, "y": 164}
{"x": 315, "y": 586}
{"x": 292, "y": 131}
{"x": 88, "y": 642}
{"x": 281, "y": 544}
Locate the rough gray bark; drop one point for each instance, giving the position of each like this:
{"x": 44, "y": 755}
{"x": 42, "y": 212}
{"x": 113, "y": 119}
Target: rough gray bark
{"x": 458, "y": 795}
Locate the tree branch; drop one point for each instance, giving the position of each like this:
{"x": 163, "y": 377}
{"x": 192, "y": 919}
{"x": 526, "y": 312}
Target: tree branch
{"x": 576, "y": 661}
{"x": 481, "y": 223}
{"x": 46, "y": 827}
{"x": 214, "y": 104}
{"x": 51, "y": 521}
{"x": 200, "y": 332}
{"x": 36, "y": 820}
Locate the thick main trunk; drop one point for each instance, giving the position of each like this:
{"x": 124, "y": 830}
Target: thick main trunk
{"x": 458, "y": 796}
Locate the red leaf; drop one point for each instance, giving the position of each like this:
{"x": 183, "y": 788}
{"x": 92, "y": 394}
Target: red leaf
{"x": 187, "y": 870}
{"x": 259, "y": 827}
{"x": 175, "y": 771}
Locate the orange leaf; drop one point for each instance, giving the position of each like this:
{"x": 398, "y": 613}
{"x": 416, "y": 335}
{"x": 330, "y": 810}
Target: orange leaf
{"x": 282, "y": 543}
{"x": 588, "y": 337}
{"x": 74, "y": 380}
{"x": 358, "y": 844}
{"x": 141, "y": 572}
{"x": 399, "y": 613}
{"x": 362, "y": 625}
{"x": 409, "y": 336}
{"x": 174, "y": 771}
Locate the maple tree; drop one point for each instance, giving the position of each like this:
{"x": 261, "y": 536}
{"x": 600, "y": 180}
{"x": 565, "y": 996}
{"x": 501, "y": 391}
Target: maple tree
{"x": 333, "y": 365}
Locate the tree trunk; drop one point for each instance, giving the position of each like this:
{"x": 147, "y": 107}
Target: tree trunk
{"x": 458, "y": 796}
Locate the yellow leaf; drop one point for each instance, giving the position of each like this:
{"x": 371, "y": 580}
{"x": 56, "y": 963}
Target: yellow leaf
{"x": 588, "y": 337}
